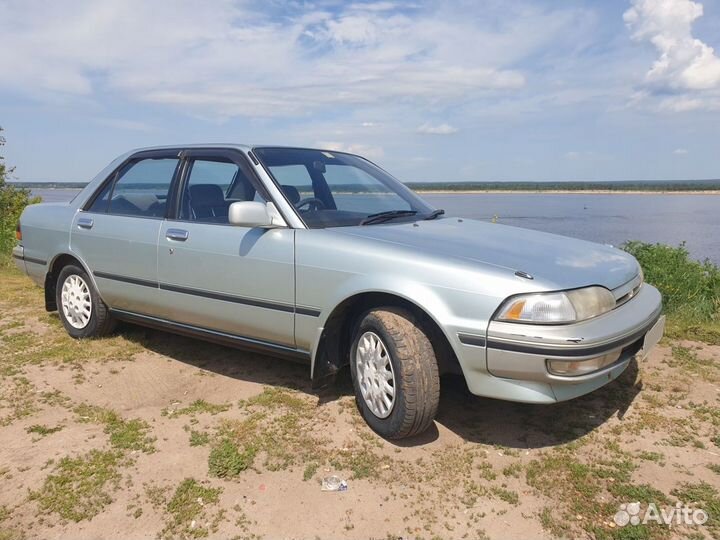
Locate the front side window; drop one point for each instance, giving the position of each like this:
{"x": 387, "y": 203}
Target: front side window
{"x": 141, "y": 189}
{"x": 333, "y": 189}
{"x": 211, "y": 186}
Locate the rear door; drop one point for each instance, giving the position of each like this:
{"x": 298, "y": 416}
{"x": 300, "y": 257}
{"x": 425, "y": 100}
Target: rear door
{"x": 216, "y": 276}
{"x": 117, "y": 232}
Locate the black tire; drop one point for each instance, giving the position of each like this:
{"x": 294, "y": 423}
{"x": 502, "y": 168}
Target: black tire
{"x": 100, "y": 323}
{"x": 415, "y": 371}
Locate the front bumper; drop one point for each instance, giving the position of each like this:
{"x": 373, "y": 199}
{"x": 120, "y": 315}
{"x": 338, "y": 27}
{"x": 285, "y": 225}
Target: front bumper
{"x": 517, "y": 355}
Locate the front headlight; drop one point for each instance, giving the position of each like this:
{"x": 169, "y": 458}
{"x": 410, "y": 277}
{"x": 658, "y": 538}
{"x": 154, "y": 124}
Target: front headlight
{"x": 558, "y": 307}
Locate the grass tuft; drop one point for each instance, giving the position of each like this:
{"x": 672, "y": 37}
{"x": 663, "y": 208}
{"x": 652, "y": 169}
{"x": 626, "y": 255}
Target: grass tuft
{"x": 199, "y": 438}
{"x": 226, "y": 460}
{"x": 196, "y": 407}
{"x": 43, "y": 430}
{"x": 77, "y": 489}
{"x": 705, "y": 497}
{"x": 189, "y": 513}
{"x": 124, "y": 434}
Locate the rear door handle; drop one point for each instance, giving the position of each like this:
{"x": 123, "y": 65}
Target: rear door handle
{"x": 85, "y": 223}
{"x": 177, "y": 234}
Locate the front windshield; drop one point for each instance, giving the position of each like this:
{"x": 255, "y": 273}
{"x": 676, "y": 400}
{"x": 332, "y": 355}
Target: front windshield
{"x": 334, "y": 189}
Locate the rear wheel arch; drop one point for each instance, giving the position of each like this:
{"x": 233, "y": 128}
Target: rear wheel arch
{"x": 333, "y": 348}
{"x": 59, "y": 262}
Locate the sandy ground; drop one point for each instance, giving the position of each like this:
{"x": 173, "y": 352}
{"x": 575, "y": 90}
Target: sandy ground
{"x": 486, "y": 469}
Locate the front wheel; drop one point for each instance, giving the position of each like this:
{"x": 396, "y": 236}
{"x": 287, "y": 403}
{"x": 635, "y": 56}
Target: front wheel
{"x": 82, "y": 311}
{"x": 394, "y": 373}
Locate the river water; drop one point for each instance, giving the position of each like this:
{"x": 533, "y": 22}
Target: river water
{"x": 608, "y": 219}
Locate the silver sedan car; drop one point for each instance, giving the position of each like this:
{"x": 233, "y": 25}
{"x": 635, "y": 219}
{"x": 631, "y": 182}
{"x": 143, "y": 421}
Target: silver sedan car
{"x": 323, "y": 257}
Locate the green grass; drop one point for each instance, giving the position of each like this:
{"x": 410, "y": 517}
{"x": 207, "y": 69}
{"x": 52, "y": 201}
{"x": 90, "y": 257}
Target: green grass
{"x": 124, "y": 434}
{"x": 687, "y": 359}
{"x": 690, "y": 289}
{"x": 43, "y": 430}
{"x": 278, "y": 424}
{"x": 189, "y": 505}
{"x": 651, "y": 456}
{"x": 17, "y": 398}
{"x": 199, "y": 438}
{"x": 226, "y": 460}
{"x": 559, "y": 528}
{"x": 78, "y": 488}
{"x": 592, "y": 491}
{"x": 513, "y": 470}
{"x": 310, "y": 470}
{"x": 705, "y": 497}
{"x": 197, "y": 407}
{"x": 510, "y": 497}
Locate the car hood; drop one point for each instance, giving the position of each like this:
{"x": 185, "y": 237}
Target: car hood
{"x": 557, "y": 262}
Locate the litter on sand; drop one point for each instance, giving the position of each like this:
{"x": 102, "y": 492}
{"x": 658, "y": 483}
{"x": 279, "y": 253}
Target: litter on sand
{"x": 333, "y": 483}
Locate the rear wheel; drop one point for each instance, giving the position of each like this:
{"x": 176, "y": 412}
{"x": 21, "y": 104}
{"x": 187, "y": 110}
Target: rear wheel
{"x": 395, "y": 373}
{"x": 82, "y": 311}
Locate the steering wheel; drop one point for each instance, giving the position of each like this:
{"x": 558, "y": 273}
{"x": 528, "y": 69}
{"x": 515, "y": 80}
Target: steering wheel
{"x": 311, "y": 202}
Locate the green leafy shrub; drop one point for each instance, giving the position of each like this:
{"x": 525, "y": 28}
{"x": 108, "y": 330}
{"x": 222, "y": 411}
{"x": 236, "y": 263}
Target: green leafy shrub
{"x": 690, "y": 289}
{"x": 13, "y": 201}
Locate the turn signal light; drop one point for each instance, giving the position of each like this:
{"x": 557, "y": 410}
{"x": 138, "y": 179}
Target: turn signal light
{"x": 18, "y": 232}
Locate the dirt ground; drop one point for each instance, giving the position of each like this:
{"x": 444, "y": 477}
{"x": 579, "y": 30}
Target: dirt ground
{"x": 149, "y": 435}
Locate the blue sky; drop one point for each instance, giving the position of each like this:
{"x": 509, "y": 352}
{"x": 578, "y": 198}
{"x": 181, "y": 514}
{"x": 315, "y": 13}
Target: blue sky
{"x": 443, "y": 91}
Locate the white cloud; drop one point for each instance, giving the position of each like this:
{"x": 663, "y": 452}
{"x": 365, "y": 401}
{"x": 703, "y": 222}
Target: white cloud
{"x": 235, "y": 60}
{"x": 680, "y": 151}
{"x": 687, "y": 66}
{"x": 440, "y": 129}
{"x": 124, "y": 123}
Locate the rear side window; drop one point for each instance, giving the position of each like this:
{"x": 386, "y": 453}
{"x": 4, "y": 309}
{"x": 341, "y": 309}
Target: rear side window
{"x": 142, "y": 188}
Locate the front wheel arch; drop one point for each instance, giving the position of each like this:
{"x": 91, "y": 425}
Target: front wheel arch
{"x": 333, "y": 348}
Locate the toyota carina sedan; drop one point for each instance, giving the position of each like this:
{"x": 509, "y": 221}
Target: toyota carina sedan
{"x": 324, "y": 257}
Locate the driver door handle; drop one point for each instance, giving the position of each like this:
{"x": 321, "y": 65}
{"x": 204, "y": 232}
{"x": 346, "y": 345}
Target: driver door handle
{"x": 85, "y": 223}
{"x": 179, "y": 235}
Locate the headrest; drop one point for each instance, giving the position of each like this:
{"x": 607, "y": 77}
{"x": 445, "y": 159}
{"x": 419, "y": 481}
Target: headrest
{"x": 209, "y": 194}
{"x": 291, "y": 193}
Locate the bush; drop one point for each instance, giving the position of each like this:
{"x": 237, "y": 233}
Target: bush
{"x": 690, "y": 289}
{"x": 13, "y": 201}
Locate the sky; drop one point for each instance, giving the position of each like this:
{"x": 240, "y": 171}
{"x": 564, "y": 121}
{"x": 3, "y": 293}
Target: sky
{"x": 454, "y": 90}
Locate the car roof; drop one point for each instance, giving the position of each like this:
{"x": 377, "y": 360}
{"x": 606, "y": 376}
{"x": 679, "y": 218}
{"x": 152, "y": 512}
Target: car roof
{"x": 238, "y": 146}
{"x": 245, "y": 147}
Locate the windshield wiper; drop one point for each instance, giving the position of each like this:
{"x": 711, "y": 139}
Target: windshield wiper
{"x": 436, "y": 213}
{"x": 381, "y": 217}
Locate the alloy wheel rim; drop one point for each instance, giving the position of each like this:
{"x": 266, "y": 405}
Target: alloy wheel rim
{"x": 375, "y": 374}
{"x": 76, "y": 301}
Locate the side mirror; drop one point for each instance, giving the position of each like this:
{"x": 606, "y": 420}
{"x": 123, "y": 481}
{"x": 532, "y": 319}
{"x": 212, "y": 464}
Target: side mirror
{"x": 250, "y": 214}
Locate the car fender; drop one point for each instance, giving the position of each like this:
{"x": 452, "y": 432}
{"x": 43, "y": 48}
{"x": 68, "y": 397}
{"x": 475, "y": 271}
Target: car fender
{"x": 417, "y": 293}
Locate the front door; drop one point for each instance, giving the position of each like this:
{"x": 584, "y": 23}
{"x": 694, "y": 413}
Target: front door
{"x": 116, "y": 234}
{"x": 220, "y": 277}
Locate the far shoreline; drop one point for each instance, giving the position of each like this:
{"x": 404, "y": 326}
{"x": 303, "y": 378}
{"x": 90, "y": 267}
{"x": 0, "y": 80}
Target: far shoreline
{"x": 507, "y": 191}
